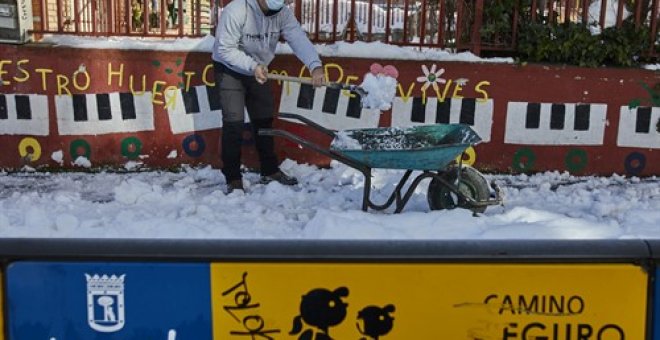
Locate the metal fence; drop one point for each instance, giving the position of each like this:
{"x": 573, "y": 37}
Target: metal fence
{"x": 156, "y": 18}
{"x": 476, "y": 25}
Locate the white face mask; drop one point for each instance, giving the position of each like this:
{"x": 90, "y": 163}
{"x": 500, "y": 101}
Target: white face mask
{"x": 275, "y": 5}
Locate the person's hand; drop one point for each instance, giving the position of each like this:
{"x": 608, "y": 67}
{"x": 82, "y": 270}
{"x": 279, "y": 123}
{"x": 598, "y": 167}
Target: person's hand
{"x": 318, "y": 77}
{"x": 261, "y": 73}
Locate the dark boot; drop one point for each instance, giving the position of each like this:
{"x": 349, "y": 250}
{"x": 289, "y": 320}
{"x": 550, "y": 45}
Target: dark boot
{"x": 236, "y": 184}
{"x": 265, "y": 147}
{"x": 279, "y": 177}
{"x": 232, "y": 136}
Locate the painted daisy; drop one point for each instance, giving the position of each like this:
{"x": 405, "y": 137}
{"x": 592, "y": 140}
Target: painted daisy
{"x": 431, "y": 78}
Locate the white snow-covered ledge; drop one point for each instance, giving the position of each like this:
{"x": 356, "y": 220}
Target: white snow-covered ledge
{"x": 356, "y": 49}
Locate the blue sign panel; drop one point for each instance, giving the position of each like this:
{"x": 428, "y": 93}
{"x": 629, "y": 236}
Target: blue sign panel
{"x": 108, "y": 301}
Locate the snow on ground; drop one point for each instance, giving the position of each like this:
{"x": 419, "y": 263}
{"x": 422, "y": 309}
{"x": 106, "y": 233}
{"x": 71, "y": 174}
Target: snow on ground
{"x": 326, "y": 205}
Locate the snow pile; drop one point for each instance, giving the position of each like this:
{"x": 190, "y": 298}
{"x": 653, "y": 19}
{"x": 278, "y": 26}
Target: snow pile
{"x": 191, "y": 204}
{"x": 391, "y": 138}
{"x": 370, "y": 50}
{"x": 344, "y": 141}
{"x": 358, "y": 49}
{"x": 380, "y": 84}
{"x": 381, "y": 91}
{"x": 58, "y": 156}
{"x": 204, "y": 44}
{"x": 82, "y": 161}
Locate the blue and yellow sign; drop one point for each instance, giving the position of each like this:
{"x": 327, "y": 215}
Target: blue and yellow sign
{"x": 261, "y": 301}
{"x": 428, "y": 301}
{"x": 113, "y": 301}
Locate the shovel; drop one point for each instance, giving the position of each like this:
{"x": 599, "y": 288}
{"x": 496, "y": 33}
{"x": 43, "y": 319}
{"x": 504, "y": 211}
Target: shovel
{"x": 338, "y": 86}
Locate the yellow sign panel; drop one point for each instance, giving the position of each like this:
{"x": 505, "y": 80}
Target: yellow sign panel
{"x": 428, "y": 301}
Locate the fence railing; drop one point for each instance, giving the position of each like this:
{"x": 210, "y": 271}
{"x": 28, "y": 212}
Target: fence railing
{"x": 157, "y": 18}
{"x": 476, "y": 25}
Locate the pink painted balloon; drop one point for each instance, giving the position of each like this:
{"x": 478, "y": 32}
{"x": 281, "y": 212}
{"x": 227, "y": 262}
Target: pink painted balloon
{"x": 376, "y": 68}
{"x": 391, "y": 71}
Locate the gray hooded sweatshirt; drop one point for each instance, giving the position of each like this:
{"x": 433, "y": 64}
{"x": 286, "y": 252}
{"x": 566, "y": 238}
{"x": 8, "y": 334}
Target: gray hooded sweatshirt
{"x": 246, "y": 37}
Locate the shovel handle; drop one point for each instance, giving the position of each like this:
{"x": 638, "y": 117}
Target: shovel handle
{"x": 308, "y": 81}
{"x": 280, "y": 77}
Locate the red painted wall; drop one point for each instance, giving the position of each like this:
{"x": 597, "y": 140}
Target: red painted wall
{"x": 534, "y": 117}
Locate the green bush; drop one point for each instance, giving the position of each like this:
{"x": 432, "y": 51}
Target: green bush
{"x": 547, "y": 40}
{"x": 626, "y": 46}
{"x": 572, "y": 43}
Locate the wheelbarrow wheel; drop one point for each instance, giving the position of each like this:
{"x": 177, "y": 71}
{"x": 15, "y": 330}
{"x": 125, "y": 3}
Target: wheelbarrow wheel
{"x": 472, "y": 185}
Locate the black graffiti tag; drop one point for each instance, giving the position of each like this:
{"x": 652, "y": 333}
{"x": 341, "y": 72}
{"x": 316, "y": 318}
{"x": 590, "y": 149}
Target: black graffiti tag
{"x": 253, "y": 324}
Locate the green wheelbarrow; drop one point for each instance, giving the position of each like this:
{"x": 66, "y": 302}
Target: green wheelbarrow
{"x": 431, "y": 149}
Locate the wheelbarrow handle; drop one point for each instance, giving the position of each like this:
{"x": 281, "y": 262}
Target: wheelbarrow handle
{"x": 339, "y": 86}
{"x": 324, "y": 151}
{"x": 308, "y": 122}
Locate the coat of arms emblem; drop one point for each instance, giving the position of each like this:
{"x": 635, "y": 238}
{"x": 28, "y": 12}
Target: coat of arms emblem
{"x": 105, "y": 302}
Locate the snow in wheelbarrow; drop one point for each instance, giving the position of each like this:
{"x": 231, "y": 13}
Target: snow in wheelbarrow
{"x": 424, "y": 147}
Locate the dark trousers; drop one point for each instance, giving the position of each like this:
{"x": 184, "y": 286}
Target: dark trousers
{"x": 237, "y": 93}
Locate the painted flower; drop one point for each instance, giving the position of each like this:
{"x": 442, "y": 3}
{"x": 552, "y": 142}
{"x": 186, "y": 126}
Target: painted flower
{"x": 431, "y": 77}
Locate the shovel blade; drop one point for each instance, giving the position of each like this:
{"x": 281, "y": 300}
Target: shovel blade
{"x": 353, "y": 88}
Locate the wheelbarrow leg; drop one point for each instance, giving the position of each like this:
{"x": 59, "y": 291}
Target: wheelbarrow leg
{"x": 400, "y": 200}
{"x": 366, "y": 193}
{"x": 396, "y": 195}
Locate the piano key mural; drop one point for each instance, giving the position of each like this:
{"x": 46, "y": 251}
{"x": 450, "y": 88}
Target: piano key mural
{"x": 23, "y": 114}
{"x": 555, "y": 123}
{"x": 196, "y": 109}
{"x": 639, "y": 127}
{"x": 478, "y": 114}
{"x": 114, "y": 106}
{"x": 104, "y": 113}
{"x": 332, "y": 108}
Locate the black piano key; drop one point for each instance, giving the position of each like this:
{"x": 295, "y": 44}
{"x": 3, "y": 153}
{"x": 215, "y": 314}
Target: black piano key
{"x": 533, "y": 117}
{"x": 23, "y": 110}
{"x": 468, "y": 106}
{"x": 127, "y": 106}
{"x": 79, "y": 107}
{"x": 213, "y": 95}
{"x": 190, "y": 100}
{"x": 331, "y": 100}
{"x": 3, "y": 107}
{"x": 557, "y": 116}
{"x": 354, "y": 106}
{"x": 418, "y": 114}
{"x": 643, "y": 124}
{"x": 582, "y": 117}
{"x": 103, "y": 106}
{"x": 306, "y": 97}
{"x": 443, "y": 111}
